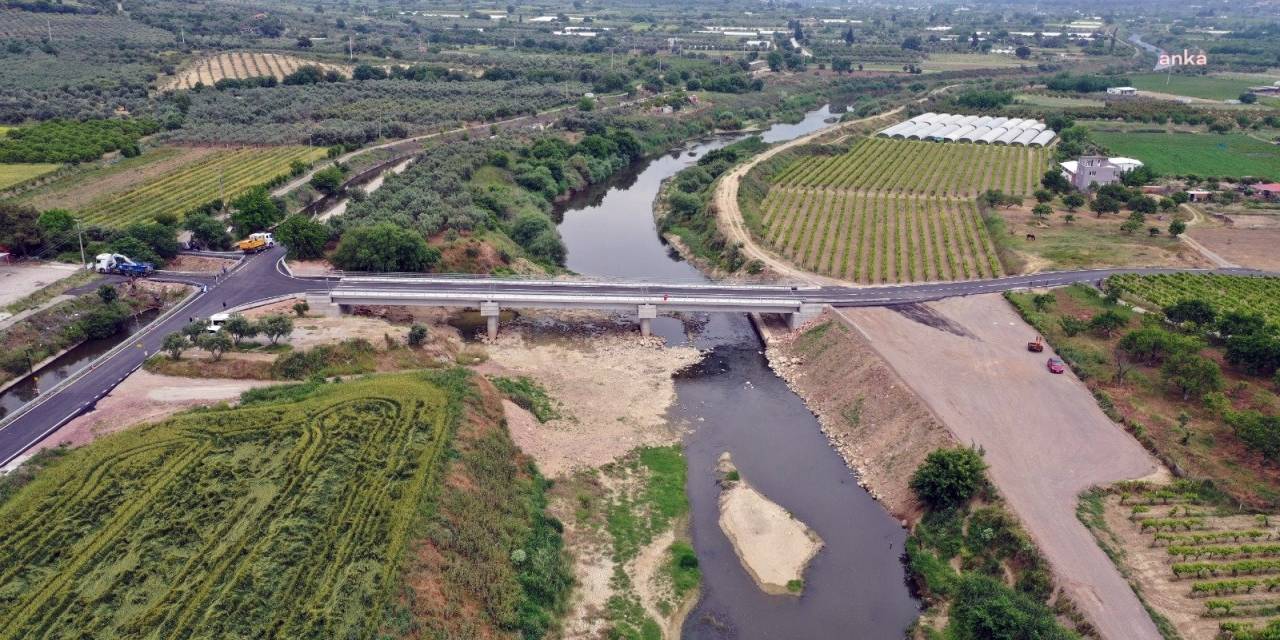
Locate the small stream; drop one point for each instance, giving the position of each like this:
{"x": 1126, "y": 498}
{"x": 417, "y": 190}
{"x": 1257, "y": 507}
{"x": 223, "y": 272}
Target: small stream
{"x": 731, "y": 401}
{"x": 67, "y": 364}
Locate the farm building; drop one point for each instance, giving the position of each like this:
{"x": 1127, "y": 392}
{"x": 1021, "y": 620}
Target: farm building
{"x": 1269, "y": 191}
{"x": 1097, "y": 170}
{"x": 1122, "y": 91}
{"x": 953, "y": 127}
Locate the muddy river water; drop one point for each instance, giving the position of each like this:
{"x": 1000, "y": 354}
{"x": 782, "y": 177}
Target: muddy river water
{"x": 855, "y": 587}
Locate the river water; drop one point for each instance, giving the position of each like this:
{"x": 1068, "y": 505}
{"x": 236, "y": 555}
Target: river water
{"x": 732, "y": 402}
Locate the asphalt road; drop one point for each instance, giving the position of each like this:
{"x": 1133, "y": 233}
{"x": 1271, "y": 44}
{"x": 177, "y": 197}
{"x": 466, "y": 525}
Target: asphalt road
{"x": 254, "y": 279}
{"x": 259, "y": 277}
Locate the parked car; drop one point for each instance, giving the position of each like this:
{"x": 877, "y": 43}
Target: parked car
{"x": 1056, "y": 365}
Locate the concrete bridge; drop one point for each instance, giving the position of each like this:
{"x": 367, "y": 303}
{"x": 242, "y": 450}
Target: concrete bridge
{"x": 647, "y": 300}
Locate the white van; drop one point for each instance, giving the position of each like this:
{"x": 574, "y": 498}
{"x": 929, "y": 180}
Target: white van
{"x": 216, "y": 321}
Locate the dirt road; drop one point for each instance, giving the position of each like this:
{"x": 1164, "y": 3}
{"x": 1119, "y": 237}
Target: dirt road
{"x": 730, "y": 216}
{"x": 1044, "y": 436}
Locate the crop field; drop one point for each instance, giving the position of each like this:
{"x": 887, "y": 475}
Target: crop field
{"x": 11, "y": 174}
{"x": 239, "y": 65}
{"x": 1225, "y": 293}
{"x": 1202, "y": 154}
{"x": 224, "y": 173}
{"x": 1043, "y": 100}
{"x": 288, "y": 516}
{"x": 1197, "y": 86}
{"x": 1208, "y": 571}
{"x": 895, "y": 211}
{"x": 80, "y": 29}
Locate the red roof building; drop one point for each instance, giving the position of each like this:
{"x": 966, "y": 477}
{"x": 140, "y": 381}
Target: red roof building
{"x": 1270, "y": 191}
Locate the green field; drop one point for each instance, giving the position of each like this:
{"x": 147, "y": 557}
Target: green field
{"x": 1225, "y": 293}
{"x": 894, "y": 210}
{"x": 290, "y": 516}
{"x": 225, "y": 174}
{"x": 11, "y": 174}
{"x": 1202, "y": 154}
{"x": 1207, "y": 87}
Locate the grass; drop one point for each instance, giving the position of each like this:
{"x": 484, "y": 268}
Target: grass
{"x": 1202, "y": 154}
{"x": 1041, "y": 100}
{"x": 12, "y": 174}
{"x": 75, "y": 185}
{"x": 294, "y": 515}
{"x": 220, "y": 175}
{"x": 1209, "y": 87}
{"x": 529, "y": 395}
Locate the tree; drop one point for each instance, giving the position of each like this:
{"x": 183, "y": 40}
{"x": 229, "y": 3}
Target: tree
{"x": 328, "y": 180}
{"x": 1073, "y": 201}
{"x": 1043, "y": 195}
{"x": 368, "y": 72}
{"x": 1072, "y": 326}
{"x": 276, "y": 326}
{"x": 304, "y": 237}
{"x": 1041, "y": 211}
{"x": 1239, "y": 323}
{"x": 775, "y": 60}
{"x": 300, "y": 308}
{"x": 174, "y": 345}
{"x": 1104, "y": 204}
{"x": 254, "y": 211}
{"x": 1257, "y": 353}
{"x": 1248, "y": 97}
{"x": 194, "y": 329}
{"x": 240, "y": 328}
{"x": 1107, "y": 322}
{"x": 1054, "y": 181}
{"x": 384, "y": 247}
{"x": 1043, "y": 301}
{"x": 303, "y": 43}
{"x": 57, "y": 227}
{"x": 1177, "y": 228}
{"x": 586, "y": 104}
{"x": 207, "y": 231}
{"x": 107, "y": 294}
{"x": 1192, "y": 374}
{"x": 417, "y": 335}
{"x": 215, "y": 343}
{"x": 19, "y": 230}
{"x": 1023, "y": 52}
{"x": 948, "y": 478}
{"x": 1198, "y": 312}
{"x": 912, "y": 43}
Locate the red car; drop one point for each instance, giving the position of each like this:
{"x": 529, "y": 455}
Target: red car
{"x": 1056, "y": 365}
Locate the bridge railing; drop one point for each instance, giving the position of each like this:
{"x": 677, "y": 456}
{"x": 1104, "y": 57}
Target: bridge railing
{"x": 693, "y": 283}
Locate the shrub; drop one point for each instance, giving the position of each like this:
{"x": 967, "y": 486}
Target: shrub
{"x": 948, "y": 478}
{"x": 417, "y": 335}
{"x": 384, "y": 247}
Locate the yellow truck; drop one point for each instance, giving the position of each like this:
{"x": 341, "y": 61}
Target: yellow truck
{"x": 256, "y": 242}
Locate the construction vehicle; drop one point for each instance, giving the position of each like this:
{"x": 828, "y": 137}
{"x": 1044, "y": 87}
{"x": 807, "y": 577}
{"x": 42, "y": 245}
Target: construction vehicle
{"x": 121, "y": 264}
{"x": 256, "y": 242}
{"x": 1036, "y": 346}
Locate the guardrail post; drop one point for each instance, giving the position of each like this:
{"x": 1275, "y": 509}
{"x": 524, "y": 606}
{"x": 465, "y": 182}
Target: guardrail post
{"x": 490, "y": 311}
{"x": 647, "y": 313}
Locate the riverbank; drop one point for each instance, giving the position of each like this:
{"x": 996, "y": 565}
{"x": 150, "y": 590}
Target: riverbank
{"x": 877, "y": 424}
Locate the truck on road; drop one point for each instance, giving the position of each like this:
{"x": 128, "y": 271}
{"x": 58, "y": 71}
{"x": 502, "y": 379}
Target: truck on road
{"x": 121, "y": 264}
{"x": 256, "y": 242}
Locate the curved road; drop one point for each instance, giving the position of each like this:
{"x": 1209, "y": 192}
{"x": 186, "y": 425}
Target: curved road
{"x": 260, "y": 277}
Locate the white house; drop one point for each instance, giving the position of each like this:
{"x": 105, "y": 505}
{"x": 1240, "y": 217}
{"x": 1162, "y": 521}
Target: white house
{"x": 1122, "y": 91}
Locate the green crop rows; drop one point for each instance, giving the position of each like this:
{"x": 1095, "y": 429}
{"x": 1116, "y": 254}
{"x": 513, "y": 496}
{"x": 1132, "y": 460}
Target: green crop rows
{"x": 283, "y": 519}
{"x": 893, "y": 210}
{"x": 1225, "y": 293}
{"x": 922, "y": 168}
{"x": 223, "y": 174}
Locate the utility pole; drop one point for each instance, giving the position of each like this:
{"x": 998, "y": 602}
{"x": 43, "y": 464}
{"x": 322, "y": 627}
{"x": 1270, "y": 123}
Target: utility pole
{"x": 80, "y": 234}
{"x": 350, "y": 49}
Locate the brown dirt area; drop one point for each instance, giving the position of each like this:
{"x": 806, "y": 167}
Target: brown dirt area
{"x": 146, "y": 397}
{"x": 1093, "y": 242}
{"x": 18, "y": 281}
{"x": 79, "y": 193}
{"x": 874, "y": 420}
{"x": 615, "y": 389}
{"x": 1044, "y": 436}
{"x": 1247, "y": 247}
{"x": 303, "y": 268}
{"x": 199, "y": 264}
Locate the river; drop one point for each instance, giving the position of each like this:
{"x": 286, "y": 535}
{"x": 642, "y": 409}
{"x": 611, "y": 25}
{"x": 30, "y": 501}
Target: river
{"x": 855, "y": 587}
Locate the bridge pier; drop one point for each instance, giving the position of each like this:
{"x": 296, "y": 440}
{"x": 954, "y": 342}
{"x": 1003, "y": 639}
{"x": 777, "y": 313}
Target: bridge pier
{"x": 489, "y": 311}
{"x": 647, "y": 313}
{"x": 807, "y": 312}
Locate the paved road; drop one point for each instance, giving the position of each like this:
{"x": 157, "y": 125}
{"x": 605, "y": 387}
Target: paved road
{"x": 254, "y": 279}
{"x": 259, "y": 277}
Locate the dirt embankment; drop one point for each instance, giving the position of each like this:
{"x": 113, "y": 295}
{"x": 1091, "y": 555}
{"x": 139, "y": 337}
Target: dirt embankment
{"x": 878, "y": 424}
